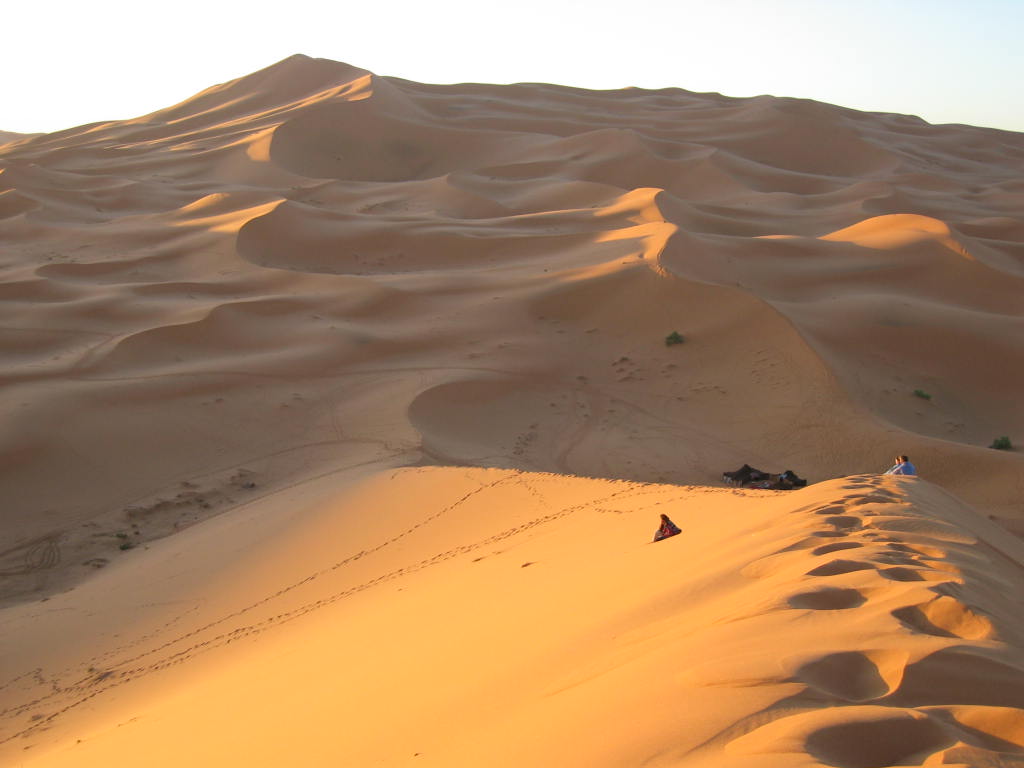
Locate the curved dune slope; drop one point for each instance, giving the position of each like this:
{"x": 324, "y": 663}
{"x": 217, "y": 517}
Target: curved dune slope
{"x": 509, "y": 618}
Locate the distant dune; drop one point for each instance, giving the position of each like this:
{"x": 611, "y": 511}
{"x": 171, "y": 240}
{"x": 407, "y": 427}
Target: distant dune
{"x": 8, "y": 136}
{"x": 390, "y": 359}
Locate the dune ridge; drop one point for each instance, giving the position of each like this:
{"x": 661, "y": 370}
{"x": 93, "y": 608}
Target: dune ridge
{"x": 865, "y": 621}
{"x": 233, "y": 311}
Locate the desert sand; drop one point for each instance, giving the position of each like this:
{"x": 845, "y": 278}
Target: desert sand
{"x": 338, "y": 417}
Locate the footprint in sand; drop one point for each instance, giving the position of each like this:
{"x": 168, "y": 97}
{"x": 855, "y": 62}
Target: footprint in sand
{"x": 924, "y": 527}
{"x": 871, "y": 736}
{"x": 987, "y": 731}
{"x": 831, "y": 510}
{"x": 855, "y": 676}
{"x": 828, "y": 599}
{"x": 890, "y": 557}
{"x": 961, "y": 675}
{"x": 918, "y": 549}
{"x": 814, "y": 541}
{"x": 903, "y": 738}
{"x": 855, "y": 735}
{"x": 873, "y": 499}
{"x": 837, "y": 547}
{"x": 837, "y": 567}
{"x": 845, "y": 522}
{"x": 899, "y": 573}
{"x": 945, "y": 616}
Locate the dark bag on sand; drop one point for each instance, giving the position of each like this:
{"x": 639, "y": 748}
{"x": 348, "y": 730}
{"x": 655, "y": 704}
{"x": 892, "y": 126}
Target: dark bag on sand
{"x": 789, "y": 476}
{"x": 755, "y": 478}
{"x": 744, "y": 475}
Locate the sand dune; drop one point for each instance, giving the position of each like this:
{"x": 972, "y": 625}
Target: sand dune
{"x": 512, "y": 618}
{"x": 9, "y": 137}
{"x": 231, "y": 319}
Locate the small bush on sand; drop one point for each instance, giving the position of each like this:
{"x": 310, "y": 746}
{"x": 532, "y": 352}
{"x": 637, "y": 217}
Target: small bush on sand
{"x": 673, "y": 338}
{"x": 1002, "y": 443}
{"x": 922, "y": 394}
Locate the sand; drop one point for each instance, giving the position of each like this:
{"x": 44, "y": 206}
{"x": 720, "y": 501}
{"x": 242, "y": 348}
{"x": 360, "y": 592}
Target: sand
{"x": 338, "y": 416}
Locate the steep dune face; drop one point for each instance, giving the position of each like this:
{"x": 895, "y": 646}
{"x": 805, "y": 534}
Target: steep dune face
{"x": 310, "y": 267}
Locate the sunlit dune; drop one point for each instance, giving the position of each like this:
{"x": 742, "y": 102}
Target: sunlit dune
{"x": 896, "y": 230}
{"x": 340, "y": 412}
{"x": 513, "y": 618}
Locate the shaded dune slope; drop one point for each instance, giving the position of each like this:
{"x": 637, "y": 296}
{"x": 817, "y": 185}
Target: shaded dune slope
{"x": 314, "y": 267}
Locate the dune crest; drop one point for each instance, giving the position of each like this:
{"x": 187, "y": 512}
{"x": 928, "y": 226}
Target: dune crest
{"x": 227, "y": 325}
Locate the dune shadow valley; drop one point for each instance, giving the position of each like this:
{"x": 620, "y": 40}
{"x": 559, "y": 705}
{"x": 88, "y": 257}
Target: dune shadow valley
{"x": 339, "y": 412}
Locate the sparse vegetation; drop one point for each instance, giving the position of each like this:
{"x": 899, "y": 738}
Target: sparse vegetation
{"x": 126, "y": 545}
{"x": 1002, "y": 444}
{"x": 674, "y": 338}
{"x": 922, "y": 394}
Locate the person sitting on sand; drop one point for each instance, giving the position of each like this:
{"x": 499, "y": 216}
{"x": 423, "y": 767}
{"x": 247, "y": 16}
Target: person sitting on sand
{"x": 902, "y": 467}
{"x": 668, "y": 528}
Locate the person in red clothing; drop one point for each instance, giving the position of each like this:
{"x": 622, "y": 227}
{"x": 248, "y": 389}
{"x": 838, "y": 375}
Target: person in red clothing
{"x": 668, "y": 528}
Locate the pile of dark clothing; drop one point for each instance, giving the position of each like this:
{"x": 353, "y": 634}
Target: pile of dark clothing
{"x": 748, "y": 477}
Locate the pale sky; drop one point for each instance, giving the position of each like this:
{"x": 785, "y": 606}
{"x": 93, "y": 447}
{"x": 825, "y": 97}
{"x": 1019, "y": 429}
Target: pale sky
{"x": 70, "y": 62}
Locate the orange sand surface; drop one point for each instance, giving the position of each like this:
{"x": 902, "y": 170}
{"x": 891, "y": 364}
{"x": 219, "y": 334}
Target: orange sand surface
{"x": 338, "y": 414}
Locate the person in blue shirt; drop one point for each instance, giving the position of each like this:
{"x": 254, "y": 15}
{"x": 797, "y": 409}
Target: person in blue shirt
{"x": 902, "y": 467}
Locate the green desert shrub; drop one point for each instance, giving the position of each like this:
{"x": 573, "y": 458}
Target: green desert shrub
{"x": 673, "y": 338}
{"x": 1002, "y": 443}
{"x": 922, "y": 394}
